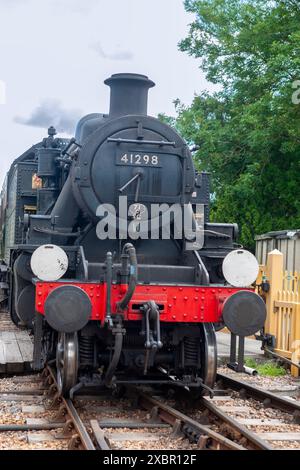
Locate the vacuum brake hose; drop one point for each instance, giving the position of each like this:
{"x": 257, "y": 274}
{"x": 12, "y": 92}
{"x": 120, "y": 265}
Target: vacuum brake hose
{"x": 133, "y": 277}
{"x": 115, "y": 359}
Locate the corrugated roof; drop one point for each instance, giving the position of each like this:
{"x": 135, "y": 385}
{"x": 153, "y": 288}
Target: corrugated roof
{"x": 290, "y": 234}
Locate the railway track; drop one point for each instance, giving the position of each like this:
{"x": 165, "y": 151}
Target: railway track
{"x": 208, "y": 426}
{"x": 74, "y": 429}
{"x": 269, "y": 399}
{"x": 97, "y": 422}
{"x": 267, "y": 421}
{"x": 241, "y": 417}
{"x": 34, "y": 416}
{"x": 211, "y": 429}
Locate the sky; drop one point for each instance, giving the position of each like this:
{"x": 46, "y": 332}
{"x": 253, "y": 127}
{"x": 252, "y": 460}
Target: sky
{"x": 55, "y": 55}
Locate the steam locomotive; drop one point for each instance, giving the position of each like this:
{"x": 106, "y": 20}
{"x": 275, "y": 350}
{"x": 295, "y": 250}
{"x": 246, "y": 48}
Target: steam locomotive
{"x": 114, "y": 306}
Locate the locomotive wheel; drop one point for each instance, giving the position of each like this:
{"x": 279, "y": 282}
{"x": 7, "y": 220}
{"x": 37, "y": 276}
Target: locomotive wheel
{"x": 67, "y": 362}
{"x": 208, "y": 358}
{"x": 209, "y": 355}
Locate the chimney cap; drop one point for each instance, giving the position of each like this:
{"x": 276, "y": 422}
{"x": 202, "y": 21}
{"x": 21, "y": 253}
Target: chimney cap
{"x": 134, "y": 77}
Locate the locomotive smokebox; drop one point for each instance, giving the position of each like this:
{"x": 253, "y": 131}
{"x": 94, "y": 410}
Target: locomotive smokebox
{"x": 128, "y": 94}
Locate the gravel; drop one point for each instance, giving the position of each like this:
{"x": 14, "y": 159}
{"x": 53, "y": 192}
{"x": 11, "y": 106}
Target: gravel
{"x": 280, "y": 384}
{"x": 18, "y": 383}
{"x": 18, "y": 441}
{"x": 11, "y": 413}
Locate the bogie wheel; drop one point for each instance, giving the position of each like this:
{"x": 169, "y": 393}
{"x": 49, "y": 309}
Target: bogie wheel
{"x": 67, "y": 362}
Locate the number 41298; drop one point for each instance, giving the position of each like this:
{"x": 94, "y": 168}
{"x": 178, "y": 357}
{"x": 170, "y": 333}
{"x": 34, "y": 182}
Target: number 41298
{"x": 138, "y": 159}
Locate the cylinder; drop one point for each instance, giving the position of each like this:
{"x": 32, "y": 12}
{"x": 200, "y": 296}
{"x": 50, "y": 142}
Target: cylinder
{"x": 128, "y": 94}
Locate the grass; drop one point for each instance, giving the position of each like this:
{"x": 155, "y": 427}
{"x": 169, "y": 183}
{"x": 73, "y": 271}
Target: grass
{"x": 267, "y": 368}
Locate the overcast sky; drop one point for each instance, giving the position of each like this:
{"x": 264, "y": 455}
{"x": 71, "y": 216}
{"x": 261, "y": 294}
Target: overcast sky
{"x": 55, "y": 54}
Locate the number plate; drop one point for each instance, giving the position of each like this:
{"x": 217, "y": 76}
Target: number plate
{"x": 138, "y": 159}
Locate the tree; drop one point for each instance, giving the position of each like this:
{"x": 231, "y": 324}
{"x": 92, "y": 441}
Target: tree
{"x": 249, "y": 132}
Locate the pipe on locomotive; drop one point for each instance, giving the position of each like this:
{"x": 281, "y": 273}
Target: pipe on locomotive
{"x": 130, "y": 251}
{"x": 108, "y": 379}
{"x": 66, "y": 210}
{"x": 128, "y": 254}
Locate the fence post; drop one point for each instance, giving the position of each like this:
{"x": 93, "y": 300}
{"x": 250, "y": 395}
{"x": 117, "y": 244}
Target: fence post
{"x": 275, "y": 278}
{"x": 295, "y": 372}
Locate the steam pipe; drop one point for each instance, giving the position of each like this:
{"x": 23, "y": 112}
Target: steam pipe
{"x": 66, "y": 211}
{"x": 115, "y": 359}
{"x": 133, "y": 278}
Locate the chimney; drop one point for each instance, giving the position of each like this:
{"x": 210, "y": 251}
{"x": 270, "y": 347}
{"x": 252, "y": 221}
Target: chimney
{"x": 128, "y": 94}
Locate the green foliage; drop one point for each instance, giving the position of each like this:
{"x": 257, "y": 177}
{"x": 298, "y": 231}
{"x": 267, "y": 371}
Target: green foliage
{"x": 267, "y": 368}
{"x": 249, "y": 132}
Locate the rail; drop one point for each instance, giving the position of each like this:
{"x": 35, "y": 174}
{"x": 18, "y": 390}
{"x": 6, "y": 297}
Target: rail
{"x": 207, "y": 438}
{"x": 74, "y": 427}
{"x": 267, "y": 398}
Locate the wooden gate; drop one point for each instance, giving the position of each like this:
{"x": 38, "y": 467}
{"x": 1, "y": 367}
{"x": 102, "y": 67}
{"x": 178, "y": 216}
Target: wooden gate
{"x": 283, "y": 307}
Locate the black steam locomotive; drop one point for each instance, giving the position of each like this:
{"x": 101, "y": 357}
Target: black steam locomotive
{"x": 111, "y": 305}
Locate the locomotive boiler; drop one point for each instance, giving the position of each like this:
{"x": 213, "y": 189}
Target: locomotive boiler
{"x": 110, "y": 299}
